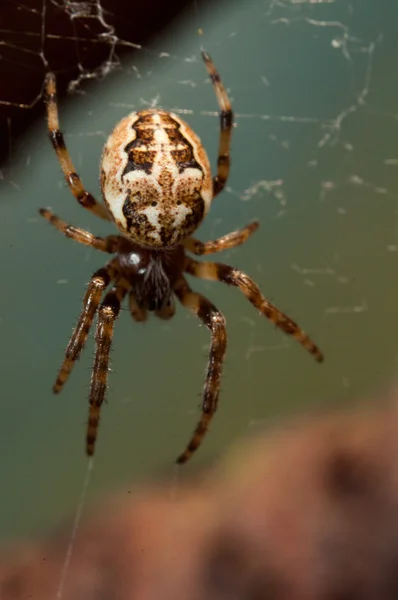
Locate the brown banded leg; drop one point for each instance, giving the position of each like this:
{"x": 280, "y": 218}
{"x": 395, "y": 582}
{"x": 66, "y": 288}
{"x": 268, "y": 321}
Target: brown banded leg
{"x": 108, "y": 244}
{"x": 226, "y": 121}
{"x": 107, "y": 316}
{"x": 231, "y": 276}
{"x": 215, "y": 321}
{"x": 235, "y": 238}
{"x": 138, "y": 313}
{"x": 57, "y": 139}
{"x": 96, "y": 286}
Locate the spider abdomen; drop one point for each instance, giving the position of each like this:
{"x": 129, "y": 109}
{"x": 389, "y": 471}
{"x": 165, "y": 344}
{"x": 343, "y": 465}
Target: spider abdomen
{"x": 155, "y": 178}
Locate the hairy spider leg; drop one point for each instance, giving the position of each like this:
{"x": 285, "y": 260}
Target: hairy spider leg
{"x": 57, "y": 139}
{"x": 108, "y": 244}
{"x": 231, "y": 276}
{"x": 226, "y": 122}
{"x": 235, "y": 238}
{"x": 95, "y": 288}
{"x": 107, "y": 316}
{"x": 215, "y": 321}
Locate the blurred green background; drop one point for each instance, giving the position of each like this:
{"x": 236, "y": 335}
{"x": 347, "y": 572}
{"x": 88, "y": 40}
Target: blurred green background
{"x": 314, "y": 158}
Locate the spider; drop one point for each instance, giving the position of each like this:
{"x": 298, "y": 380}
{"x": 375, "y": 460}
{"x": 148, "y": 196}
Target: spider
{"x": 157, "y": 188}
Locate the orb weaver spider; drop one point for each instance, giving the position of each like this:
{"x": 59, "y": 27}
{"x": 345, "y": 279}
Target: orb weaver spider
{"x": 157, "y": 188}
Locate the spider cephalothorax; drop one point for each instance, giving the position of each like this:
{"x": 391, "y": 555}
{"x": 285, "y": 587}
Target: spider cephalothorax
{"x": 152, "y": 275}
{"x": 157, "y": 187}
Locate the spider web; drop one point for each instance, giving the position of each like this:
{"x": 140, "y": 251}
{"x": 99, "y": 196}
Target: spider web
{"x": 314, "y": 158}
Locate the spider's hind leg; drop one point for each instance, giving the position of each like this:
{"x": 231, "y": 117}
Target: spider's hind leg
{"x": 57, "y": 139}
{"x": 96, "y": 286}
{"x": 226, "y": 123}
{"x": 107, "y": 316}
{"x": 215, "y": 321}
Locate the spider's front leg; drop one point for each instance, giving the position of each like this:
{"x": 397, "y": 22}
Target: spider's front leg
{"x": 96, "y": 286}
{"x": 107, "y": 316}
{"x": 215, "y": 321}
{"x": 231, "y": 276}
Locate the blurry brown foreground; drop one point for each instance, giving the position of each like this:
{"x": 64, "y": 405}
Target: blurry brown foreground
{"x": 305, "y": 513}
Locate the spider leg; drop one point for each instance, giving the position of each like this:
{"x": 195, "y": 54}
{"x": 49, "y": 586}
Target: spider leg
{"x": 215, "y": 321}
{"x": 108, "y": 244}
{"x": 138, "y": 313}
{"x": 97, "y": 284}
{"x": 231, "y": 276}
{"x": 57, "y": 139}
{"x": 235, "y": 238}
{"x": 107, "y": 316}
{"x": 226, "y": 121}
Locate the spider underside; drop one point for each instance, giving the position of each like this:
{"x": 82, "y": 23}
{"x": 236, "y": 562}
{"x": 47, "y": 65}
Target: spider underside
{"x": 151, "y": 273}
